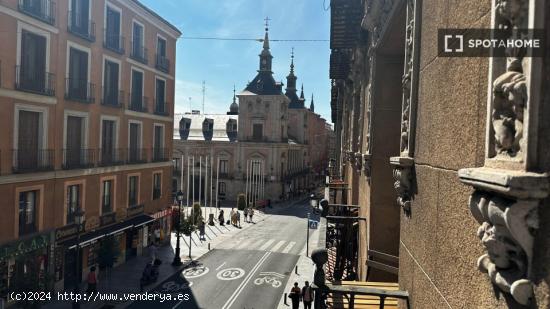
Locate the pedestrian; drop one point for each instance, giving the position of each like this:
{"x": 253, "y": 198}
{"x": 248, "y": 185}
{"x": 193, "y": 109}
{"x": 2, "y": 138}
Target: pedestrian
{"x": 295, "y": 295}
{"x": 92, "y": 281}
{"x": 153, "y": 251}
{"x": 238, "y": 219}
{"x": 202, "y": 226}
{"x": 307, "y": 295}
{"x": 245, "y": 212}
{"x": 250, "y": 214}
{"x": 232, "y": 216}
{"x": 157, "y": 235}
{"x": 220, "y": 218}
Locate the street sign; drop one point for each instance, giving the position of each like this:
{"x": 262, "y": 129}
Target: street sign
{"x": 313, "y": 224}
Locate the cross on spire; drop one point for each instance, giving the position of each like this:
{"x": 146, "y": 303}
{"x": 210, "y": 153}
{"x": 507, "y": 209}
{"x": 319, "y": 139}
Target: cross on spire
{"x": 267, "y": 19}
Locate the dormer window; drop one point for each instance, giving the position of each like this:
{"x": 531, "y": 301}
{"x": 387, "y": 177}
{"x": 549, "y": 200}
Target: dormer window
{"x": 208, "y": 129}
{"x": 231, "y": 128}
{"x": 185, "y": 126}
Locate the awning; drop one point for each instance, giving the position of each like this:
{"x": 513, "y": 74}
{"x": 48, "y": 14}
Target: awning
{"x": 87, "y": 238}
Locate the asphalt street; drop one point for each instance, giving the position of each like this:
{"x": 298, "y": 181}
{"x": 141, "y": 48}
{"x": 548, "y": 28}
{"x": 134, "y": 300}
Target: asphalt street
{"x": 248, "y": 271}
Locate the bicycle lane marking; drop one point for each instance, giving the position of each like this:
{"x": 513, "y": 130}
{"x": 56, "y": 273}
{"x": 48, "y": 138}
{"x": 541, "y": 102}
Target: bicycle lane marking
{"x": 240, "y": 288}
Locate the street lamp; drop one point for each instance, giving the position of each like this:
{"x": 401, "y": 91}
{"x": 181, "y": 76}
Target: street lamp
{"x": 79, "y": 219}
{"x": 177, "y": 259}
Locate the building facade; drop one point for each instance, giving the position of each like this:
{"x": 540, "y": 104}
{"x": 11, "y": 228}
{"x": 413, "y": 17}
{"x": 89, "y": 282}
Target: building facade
{"x": 266, "y": 147}
{"x": 461, "y": 141}
{"x": 87, "y": 96}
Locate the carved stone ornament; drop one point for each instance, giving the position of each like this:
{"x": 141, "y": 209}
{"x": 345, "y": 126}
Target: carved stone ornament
{"x": 358, "y": 161}
{"x": 403, "y": 176}
{"x": 367, "y": 163}
{"x": 376, "y": 17}
{"x": 505, "y": 204}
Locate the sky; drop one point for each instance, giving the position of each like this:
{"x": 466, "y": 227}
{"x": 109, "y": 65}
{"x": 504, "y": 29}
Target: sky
{"x": 222, "y": 64}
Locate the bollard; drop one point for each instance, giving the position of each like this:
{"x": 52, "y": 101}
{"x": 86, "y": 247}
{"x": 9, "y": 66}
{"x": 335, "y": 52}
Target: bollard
{"x": 296, "y": 269}
{"x": 285, "y": 300}
{"x": 208, "y": 246}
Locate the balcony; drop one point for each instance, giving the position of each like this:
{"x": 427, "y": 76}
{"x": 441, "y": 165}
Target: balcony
{"x": 33, "y": 81}
{"x": 111, "y": 157}
{"x": 138, "y": 104}
{"x": 113, "y": 42}
{"x": 81, "y": 27}
{"x": 137, "y": 155}
{"x": 162, "y": 63}
{"x": 32, "y": 160}
{"x": 160, "y": 154}
{"x": 161, "y": 108}
{"x": 43, "y": 10}
{"x": 139, "y": 52}
{"x": 78, "y": 158}
{"x": 112, "y": 98}
{"x": 79, "y": 90}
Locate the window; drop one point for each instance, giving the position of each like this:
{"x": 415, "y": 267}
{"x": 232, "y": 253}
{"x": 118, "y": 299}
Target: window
{"x": 223, "y": 167}
{"x": 73, "y": 202}
{"x": 110, "y": 83}
{"x": 136, "y": 100}
{"x": 107, "y": 198}
{"x": 31, "y": 74}
{"x": 133, "y": 183}
{"x": 221, "y": 190}
{"x": 161, "y": 47}
{"x": 134, "y": 146}
{"x": 257, "y": 131}
{"x": 160, "y": 96}
{"x": 108, "y": 141}
{"x": 162, "y": 62}
{"x": 74, "y": 154}
{"x": 112, "y": 37}
{"x": 29, "y": 155}
{"x": 27, "y": 212}
{"x": 139, "y": 52}
{"x": 158, "y": 142}
{"x": 156, "y": 186}
{"x": 41, "y": 9}
{"x": 77, "y": 81}
{"x": 79, "y": 19}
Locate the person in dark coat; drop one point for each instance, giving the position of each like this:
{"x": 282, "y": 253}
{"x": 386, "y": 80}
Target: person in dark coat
{"x": 220, "y": 217}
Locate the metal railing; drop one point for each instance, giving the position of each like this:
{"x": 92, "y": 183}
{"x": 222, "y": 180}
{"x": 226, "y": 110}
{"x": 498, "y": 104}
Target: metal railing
{"x": 82, "y": 27}
{"x": 79, "y": 90}
{"x": 161, "y": 108}
{"x": 111, "y": 157}
{"x": 112, "y": 98}
{"x": 138, "y": 52}
{"x": 137, "y": 155}
{"x": 78, "y": 158}
{"x": 32, "y": 160}
{"x": 43, "y": 10}
{"x": 113, "y": 41}
{"x": 162, "y": 63}
{"x": 138, "y": 103}
{"x": 160, "y": 154}
{"x": 33, "y": 81}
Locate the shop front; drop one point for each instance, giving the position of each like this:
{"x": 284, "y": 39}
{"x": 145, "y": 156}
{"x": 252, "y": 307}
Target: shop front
{"x": 24, "y": 264}
{"x": 160, "y": 229}
{"x": 135, "y": 236}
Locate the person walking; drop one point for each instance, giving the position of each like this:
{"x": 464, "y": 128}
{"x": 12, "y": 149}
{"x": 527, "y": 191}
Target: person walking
{"x": 202, "y": 227}
{"x": 92, "y": 281}
{"x": 250, "y": 214}
{"x": 295, "y": 295}
{"x": 232, "y": 216}
{"x": 307, "y": 295}
{"x": 220, "y": 218}
{"x": 245, "y": 212}
{"x": 238, "y": 219}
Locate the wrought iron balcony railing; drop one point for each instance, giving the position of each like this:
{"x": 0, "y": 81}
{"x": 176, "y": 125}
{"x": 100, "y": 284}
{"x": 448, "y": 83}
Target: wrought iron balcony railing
{"x": 160, "y": 154}
{"x": 138, "y": 52}
{"x": 81, "y": 27}
{"x": 32, "y": 160}
{"x": 43, "y": 10}
{"x": 34, "y": 81}
{"x": 114, "y": 42}
{"x": 111, "y": 157}
{"x": 138, "y": 103}
{"x": 162, "y": 63}
{"x": 79, "y": 90}
{"x": 161, "y": 108}
{"x": 112, "y": 98}
{"x": 137, "y": 155}
{"x": 78, "y": 158}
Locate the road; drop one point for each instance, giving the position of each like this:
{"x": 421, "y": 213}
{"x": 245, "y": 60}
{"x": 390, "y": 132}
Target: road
{"x": 249, "y": 271}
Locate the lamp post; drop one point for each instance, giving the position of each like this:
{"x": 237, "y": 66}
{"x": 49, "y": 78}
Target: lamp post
{"x": 177, "y": 259}
{"x": 79, "y": 219}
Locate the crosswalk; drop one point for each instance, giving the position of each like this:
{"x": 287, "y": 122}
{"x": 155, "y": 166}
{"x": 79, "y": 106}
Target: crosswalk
{"x": 273, "y": 245}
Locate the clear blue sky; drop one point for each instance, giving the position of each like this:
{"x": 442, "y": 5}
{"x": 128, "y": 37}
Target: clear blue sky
{"x": 224, "y": 63}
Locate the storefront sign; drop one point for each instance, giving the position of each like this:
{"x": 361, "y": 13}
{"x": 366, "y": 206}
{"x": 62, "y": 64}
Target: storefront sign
{"x": 107, "y": 219}
{"x": 162, "y": 213}
{"x": 134, "y": 211}
{"x": 67, "y": 232}
{"x": 24, "y": 246}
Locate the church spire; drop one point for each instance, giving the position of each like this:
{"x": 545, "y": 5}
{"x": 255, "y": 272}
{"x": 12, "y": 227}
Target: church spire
{"x": 302, "y": 93}
{"x": 234, "y": 108}
{"x": 291, "y": 78}
{"x": 312, "y": 105}
{"x": 265, "y": 55}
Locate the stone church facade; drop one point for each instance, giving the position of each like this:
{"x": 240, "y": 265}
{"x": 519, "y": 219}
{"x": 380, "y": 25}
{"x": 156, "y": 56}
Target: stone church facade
{"x": 446, "y": 157}
{"x": 268, "y": 146}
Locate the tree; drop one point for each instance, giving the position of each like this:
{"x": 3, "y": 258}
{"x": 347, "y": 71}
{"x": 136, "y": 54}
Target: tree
{"x": 241, "y": 202}
{"x": 108, "y": 252}
{"x": 30, "y": 278}
{"x": 197, "y": 213}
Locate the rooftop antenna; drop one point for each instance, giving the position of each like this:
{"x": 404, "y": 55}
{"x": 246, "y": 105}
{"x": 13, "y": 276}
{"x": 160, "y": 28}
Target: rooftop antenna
{"x": 203, "y": 94}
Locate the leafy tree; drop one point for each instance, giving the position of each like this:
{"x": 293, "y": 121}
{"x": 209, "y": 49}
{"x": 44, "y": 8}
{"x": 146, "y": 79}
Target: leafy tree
{"x": 33, "y": 279}
{"x": 196, "y": 214}
{"x": 108, "y": 252}
{"x": 241, "y": 202}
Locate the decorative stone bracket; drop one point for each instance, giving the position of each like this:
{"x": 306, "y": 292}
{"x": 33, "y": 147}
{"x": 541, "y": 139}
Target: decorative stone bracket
{"x": 505, "y": 203}
{"x": 367, "y": 163}
{"x": 404, "y": 184}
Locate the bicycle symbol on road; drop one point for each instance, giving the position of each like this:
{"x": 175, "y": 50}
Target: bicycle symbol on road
{"x": 230, "y": 274}
{"x": 195, "y": 272}
{"x": 269, "y": 278}
{"x": 172, "y": 287}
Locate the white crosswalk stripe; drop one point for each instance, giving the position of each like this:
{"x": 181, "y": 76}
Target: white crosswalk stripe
{"x": 256, "y": 244}
{"x": 267, "y": 244}
{"x": 243, "y": 244}
{"x": 277, "y": 246}
{"x": 289, "y": 247}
